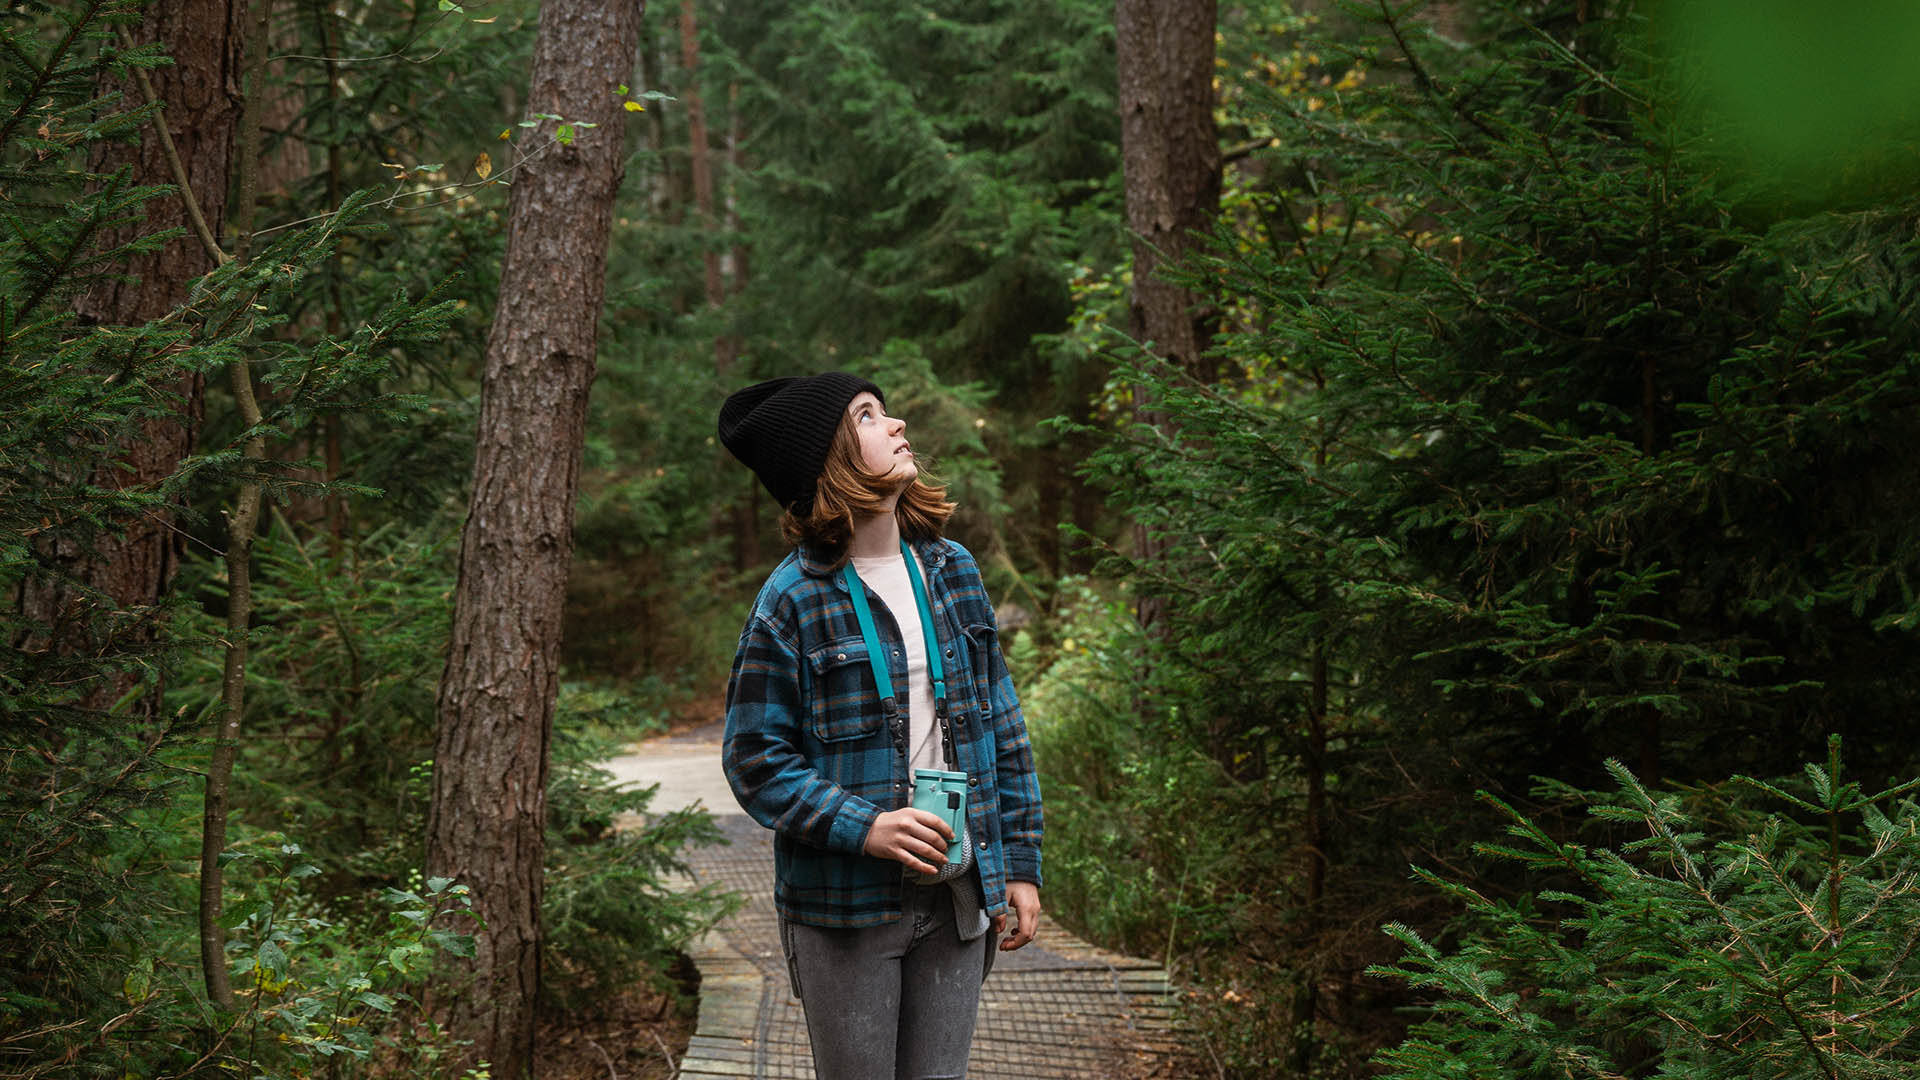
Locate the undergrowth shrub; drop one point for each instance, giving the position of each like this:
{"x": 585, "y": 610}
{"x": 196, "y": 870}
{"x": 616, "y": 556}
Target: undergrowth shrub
{"x": 325, "y": 997}
{"x": 1740, "y": 931}
{"x": 1155, "y": 848}
{"x": 349, "y": 647}
{"x": 611, "y": 917}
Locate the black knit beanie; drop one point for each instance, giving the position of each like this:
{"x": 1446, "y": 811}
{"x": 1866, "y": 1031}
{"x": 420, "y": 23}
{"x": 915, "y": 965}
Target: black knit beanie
{"x": 783, "y": 428}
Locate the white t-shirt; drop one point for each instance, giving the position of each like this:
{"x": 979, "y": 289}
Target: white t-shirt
{"x": 885, "y": 577}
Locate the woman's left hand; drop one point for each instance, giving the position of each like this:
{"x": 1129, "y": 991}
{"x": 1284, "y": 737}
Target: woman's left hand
{"x": 1024, "y": 898}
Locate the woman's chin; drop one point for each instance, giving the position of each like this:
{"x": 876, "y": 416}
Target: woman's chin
{"x": 905, "y": 472}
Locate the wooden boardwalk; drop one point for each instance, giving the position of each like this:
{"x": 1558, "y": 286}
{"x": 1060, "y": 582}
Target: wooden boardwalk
{"x": 1057, "y": 1008}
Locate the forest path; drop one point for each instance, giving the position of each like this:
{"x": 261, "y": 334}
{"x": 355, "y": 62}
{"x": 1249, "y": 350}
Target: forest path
{"x": 1059, "y": 1008}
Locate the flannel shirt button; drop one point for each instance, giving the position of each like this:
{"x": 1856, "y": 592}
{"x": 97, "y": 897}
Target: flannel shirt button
{"x": 839, "y": 656}
{"x": 974, "y": 781}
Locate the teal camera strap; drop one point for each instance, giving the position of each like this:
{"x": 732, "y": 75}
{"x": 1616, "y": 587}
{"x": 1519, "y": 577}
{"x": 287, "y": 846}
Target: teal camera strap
{"x": 877, "y": 658}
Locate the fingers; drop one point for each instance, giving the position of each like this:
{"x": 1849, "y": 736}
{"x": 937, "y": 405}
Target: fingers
{"x": 1022, "y": 934}
{"x": 922, "y": 840}
{"x": 921, "y": 826}
{"x": 921, "y": 862}
{"x": 1024, "y": 898}
{"x": 917, "y": 853}
{"x": 910, "y": 837}
{"x": 941, "y": 830}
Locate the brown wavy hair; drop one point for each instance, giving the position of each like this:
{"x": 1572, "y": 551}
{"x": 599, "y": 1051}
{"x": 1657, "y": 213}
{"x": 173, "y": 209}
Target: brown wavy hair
{"x": 846, "y": 491}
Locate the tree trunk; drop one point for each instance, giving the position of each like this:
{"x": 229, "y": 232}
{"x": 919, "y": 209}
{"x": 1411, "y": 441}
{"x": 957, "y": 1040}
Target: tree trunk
{"x": 242, "y": 522}
{"x": 201, "y": 91}
{"x": 700, "y": 159}
{"x": 1170, "y": 165}
{"x": 660, "y": 200}
{"x": 486, "y": 823}
{"x": 733, "y": 266}
{"x": 1170, "y": 161}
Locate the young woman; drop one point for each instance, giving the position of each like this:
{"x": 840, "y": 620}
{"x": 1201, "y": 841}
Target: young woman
{"x": 869, "y": 678}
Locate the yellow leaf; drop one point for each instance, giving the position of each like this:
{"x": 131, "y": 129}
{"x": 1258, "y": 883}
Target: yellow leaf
{"x": 506, "y": 133}
{"x": 488, "y": 19}
{"x": 634, "y": 106}
{"x": 483, "y": 165}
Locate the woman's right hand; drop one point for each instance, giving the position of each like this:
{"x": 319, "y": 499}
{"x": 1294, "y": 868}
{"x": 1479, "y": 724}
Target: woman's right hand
{"x": 914, "y": 838}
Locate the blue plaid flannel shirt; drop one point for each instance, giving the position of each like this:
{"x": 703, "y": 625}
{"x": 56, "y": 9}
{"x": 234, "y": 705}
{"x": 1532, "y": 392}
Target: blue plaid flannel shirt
{"x": 809, "y": 756}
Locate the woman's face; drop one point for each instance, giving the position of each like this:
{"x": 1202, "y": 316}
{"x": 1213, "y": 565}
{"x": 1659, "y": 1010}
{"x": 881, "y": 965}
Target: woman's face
{"x": 883, "y": 441}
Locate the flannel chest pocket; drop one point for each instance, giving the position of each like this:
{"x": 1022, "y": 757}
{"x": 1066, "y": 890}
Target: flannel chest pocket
{"x": 845, "y": 703}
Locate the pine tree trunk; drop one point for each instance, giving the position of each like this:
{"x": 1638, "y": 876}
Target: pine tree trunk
{"x": 201, "y": 93}
{"x": 1170, "y": 165}
{"x": 1170, "y": 160}
{"x": 700, "y": 158}
{"x": 660, "y": 201}
{"x": 486, "y": 823}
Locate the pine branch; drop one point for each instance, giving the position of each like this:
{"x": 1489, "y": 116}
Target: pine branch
{"x": 45, "y": 73}
{"x": 179, "y": 169}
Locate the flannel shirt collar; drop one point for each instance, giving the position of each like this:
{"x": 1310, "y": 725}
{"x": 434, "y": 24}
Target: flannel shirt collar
{"x": 931, "y": 553}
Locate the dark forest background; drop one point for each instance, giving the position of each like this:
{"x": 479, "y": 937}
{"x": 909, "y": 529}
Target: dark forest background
{"x": 1449, "y": 467}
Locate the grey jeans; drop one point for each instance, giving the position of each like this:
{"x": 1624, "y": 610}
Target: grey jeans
{"x": 892, "y": 1002}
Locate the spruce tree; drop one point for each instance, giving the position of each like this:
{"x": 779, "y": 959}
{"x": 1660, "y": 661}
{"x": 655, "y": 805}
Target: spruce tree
{"x": 1543, "y": 441}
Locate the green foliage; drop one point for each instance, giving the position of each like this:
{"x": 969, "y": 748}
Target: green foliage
{"x": 83, "y": 897}
{"x": 1113, "y": 788}
{"x": 353, "y": 333}
{"x": 1535, "y": 447}
{"x": 1802, "y": 108}
{"x": 1715, "y": 938}
{"x": 652, "y": 588}
{"x": 348, "y": 643}
{"x": 67, "y": 391}
{"x": 1158, "y": 848}
{"x": 349, "y": 651}
{"x": 317, "y": 991}
{"x": 615, "y": 910}
{"x": 901, "y": 189}
{"x": 921, "y": 166}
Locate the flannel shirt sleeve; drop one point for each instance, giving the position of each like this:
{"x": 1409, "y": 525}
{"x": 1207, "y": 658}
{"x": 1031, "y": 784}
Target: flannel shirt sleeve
{"x": 764, "y": 756}
{"x": 1016, "y": 778}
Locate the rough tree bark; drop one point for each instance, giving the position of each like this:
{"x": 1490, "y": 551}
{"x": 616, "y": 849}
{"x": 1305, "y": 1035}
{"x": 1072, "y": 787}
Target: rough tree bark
{"x": 201, "y": 90}
{"x": 1170, "y": 167}
{"x": 496, "y": 696}
{"x": 1170, "y": 160}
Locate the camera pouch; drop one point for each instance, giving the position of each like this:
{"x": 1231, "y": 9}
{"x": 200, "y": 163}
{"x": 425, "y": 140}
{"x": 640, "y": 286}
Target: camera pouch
{"x": 944, "y": 795}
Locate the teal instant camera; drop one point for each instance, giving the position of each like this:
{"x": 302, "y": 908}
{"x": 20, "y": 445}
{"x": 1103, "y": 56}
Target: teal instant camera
{"x": 944, "y": 795}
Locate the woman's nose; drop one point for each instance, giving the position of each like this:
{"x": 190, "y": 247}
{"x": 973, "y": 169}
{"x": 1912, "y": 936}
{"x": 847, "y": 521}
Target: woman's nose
{"x": 896, "y": 425}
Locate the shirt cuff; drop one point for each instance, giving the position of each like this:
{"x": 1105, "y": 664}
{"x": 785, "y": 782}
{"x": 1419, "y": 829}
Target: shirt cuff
{"x": 1023, "y": 864}
{"x": 851, "y": 823}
